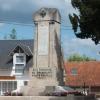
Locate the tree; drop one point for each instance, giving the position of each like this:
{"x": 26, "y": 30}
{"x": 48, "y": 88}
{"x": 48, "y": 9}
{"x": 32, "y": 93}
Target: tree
{"x": 13, "y": 34}
{"x": 77, "y": 57}
{"x": 88, "y": 20}
{"x": 5, "y": 37}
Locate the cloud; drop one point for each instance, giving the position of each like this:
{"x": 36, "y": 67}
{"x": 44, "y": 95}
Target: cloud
{"x": 2, "y": 24}
{"x": 81, "y": 46}
{"x": 86, "y": 42}
{"x": 21, "y": 11}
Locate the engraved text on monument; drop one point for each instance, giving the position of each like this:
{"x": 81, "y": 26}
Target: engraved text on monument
{"x": 43, "y": 42}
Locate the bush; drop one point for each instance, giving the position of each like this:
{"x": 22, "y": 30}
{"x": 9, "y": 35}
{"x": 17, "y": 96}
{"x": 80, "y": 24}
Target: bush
{"x": 13, "y": 94}
{"x": 7, "y": 94}
{"x": 17, "y": 94}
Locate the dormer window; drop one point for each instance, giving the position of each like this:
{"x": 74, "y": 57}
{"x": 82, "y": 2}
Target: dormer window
{"x": 19, "y": 69}
{"x": 19, "y": 54}
{"x": 19, "y": 62}
{"x": 20, "y": 59}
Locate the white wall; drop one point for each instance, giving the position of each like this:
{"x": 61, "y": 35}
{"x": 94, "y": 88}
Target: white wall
{"x": 5, "y": 72}
{"x": 11, "y": 72}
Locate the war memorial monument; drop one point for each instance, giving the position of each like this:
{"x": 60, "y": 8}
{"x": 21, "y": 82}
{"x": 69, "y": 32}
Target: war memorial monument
{"x": 47, "y": 70}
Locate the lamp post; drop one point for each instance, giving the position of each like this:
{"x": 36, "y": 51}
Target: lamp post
{"x": 84, "y": 87}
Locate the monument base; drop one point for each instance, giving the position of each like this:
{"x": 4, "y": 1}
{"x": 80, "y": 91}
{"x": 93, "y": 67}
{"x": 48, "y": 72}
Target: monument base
{"x": 41, "y": 79}
{"x": 39, "y": 87}
{"x": 42, "y": 82}
{"x": 38, "y": 91}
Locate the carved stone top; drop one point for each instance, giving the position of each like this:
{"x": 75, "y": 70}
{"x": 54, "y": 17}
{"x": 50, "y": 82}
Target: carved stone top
{"x": 43, "y": 12}
{"x": 49, "y": 14}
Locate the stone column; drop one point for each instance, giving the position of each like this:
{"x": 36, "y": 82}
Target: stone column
{"x": 47, "y": 60}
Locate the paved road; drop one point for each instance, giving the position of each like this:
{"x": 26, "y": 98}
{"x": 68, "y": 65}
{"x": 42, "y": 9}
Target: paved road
{"x": 98, "y": 98}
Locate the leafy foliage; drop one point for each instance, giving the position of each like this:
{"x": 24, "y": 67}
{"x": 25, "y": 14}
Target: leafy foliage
{"x": 88, "y": 19}
{"x": 12, "y": 35}
{"x": 77, "y": 57}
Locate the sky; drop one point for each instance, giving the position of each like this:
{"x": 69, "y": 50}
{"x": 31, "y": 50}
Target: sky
{"x": 18, "y": 14}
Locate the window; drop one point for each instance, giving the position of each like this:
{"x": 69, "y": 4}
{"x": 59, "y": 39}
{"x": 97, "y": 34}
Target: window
{"x": 74, "y": 71}
{"x": 19, "y": 65}
{"x": 10, "y": 84}
{"x": 19, "y": 69}
{"x": 19, "y": 59}
{"x": 7, "y": 86}
{"x": 25, "y": 82}
{"x": 4, "y": 86}
{"x": 15, "y": 85}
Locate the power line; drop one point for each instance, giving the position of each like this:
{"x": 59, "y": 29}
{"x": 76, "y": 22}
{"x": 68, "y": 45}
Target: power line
{"x": 66, "y": 29}
{"x": 29, "y": 24}
{"x": 14, "y": 23}
{"x": 63, "y": 27}
{"x": 16, "y": 18}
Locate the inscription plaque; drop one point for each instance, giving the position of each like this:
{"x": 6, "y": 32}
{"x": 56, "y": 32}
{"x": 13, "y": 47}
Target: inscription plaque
{"x": 42, "y": 72}
{"x": 43, "y": 42}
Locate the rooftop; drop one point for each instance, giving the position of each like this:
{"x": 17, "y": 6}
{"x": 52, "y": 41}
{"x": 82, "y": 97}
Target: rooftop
{"x": 86, "y": 72}
{"x": 7, "y": 46}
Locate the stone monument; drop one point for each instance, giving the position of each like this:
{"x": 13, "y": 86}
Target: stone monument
{"x": 47, "y": 70}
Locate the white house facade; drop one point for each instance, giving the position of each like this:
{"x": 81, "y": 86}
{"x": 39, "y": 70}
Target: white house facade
{"x": 15, "y": 61}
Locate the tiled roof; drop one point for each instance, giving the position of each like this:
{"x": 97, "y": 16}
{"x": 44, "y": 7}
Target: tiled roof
{"x": 87, "y": 72}
{"x": 6, "y": 47}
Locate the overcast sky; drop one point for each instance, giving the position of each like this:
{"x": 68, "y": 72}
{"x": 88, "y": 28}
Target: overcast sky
{"x": 21, "y": 11}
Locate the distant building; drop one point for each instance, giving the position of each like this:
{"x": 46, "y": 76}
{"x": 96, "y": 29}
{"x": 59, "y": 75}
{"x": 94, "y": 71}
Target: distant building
{"x": 80, "y": 75}
{"x": 15, "y": 61}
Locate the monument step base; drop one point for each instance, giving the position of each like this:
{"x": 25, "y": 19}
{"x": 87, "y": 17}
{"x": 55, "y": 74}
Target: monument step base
{"x": 33, "y": 91}
{"x": 46, "y": 98}
{"x": 31, "y": 98}
{"x": 43, "y": 82}
{"x": 37, "y": 91}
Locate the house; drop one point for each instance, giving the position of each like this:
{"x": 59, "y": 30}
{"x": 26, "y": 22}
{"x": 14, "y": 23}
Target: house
{"x": 15, "y": 61}
{"x": 83, "y": 75}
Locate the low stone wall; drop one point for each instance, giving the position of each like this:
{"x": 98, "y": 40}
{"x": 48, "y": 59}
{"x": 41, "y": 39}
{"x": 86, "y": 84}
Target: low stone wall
{"x": 45, "y": 98}
{"x": 84, "y": 98}
{"x": 31, "y": 98}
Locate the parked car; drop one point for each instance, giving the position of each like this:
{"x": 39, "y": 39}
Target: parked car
{"x": 63, "y": 91}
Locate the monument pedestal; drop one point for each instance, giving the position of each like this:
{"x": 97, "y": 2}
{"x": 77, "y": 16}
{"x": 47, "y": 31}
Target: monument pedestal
{"x": 47, "y": 70}
{"x": 42, "y": 82}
